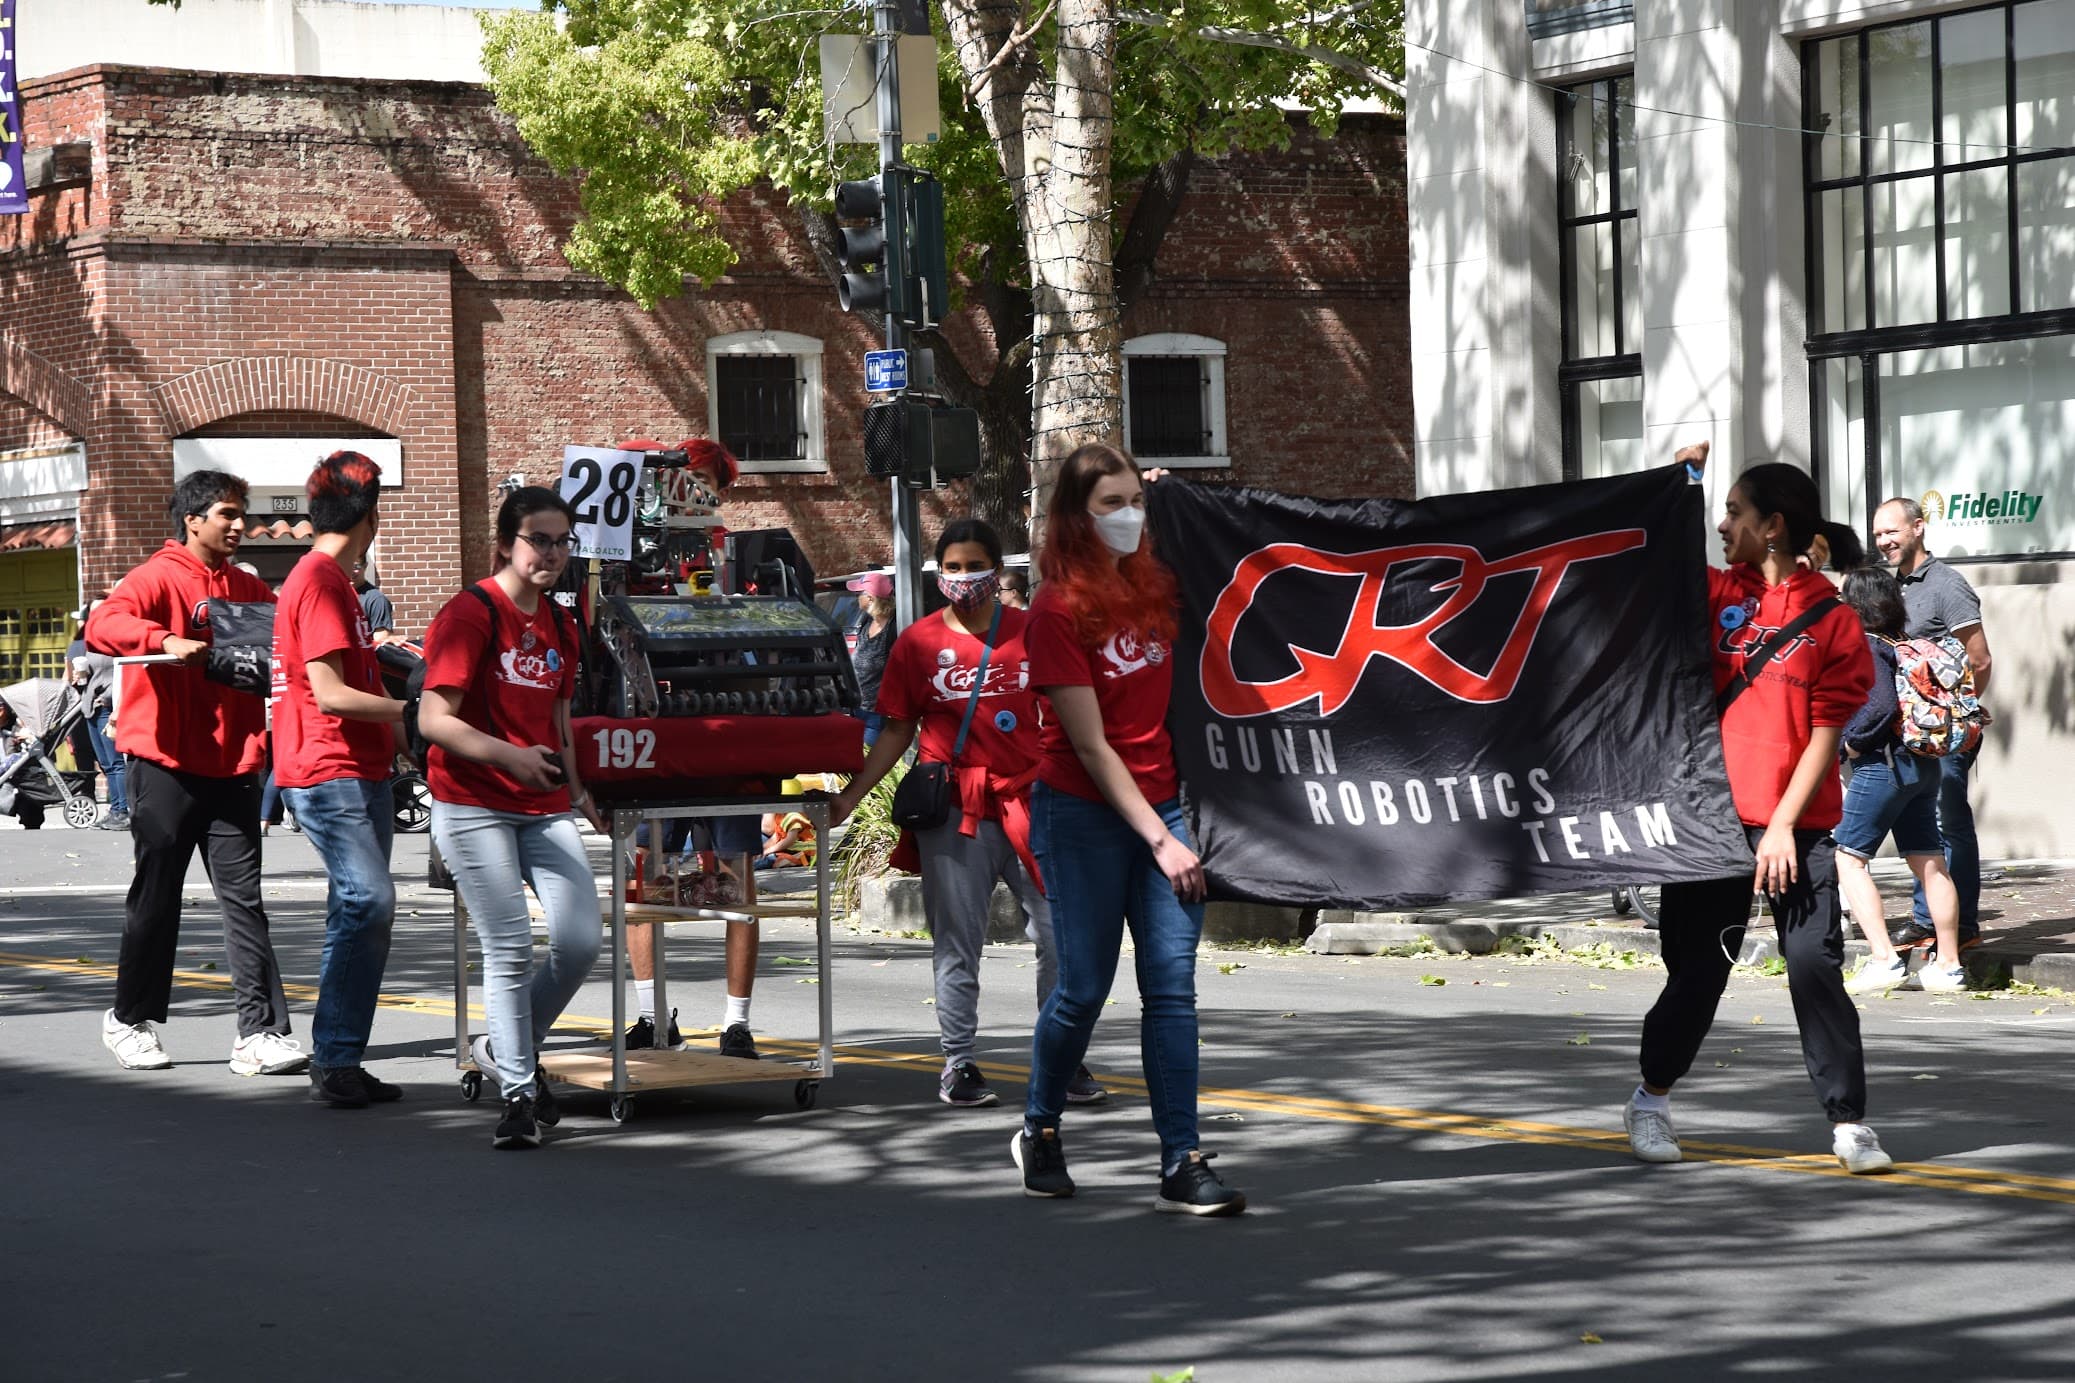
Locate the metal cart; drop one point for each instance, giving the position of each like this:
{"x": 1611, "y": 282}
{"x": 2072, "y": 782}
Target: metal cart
{"x": 622, "y": 1074}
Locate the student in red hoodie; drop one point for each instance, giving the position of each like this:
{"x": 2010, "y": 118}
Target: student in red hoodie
{"x": 196, "y": 749}
{"x": 1779, "y": 740}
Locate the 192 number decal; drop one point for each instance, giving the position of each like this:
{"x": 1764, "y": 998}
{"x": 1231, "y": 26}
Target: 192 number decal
{"x": 626, "y": 748}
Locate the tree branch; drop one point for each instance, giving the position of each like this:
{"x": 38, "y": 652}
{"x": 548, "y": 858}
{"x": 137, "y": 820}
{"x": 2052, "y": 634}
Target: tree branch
{"x": 1018, "y": 36}
{"x": 1159, "y": 201}
{"x": 1247, "y": 38}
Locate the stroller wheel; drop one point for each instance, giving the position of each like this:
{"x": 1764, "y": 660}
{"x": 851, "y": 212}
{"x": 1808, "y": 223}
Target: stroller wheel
{"x": 412, "y": 801}
{"x": 81, "y": 812}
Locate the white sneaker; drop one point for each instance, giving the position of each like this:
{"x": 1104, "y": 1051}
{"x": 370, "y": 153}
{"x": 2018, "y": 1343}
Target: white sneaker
{"x": 1650, "y": 1134}
{"x": 268, "y": 1054}
{"x": 1875, "y": 977}
{"x": 135, "y": 1045}
{"x": 1940, "y": 979}
{"x": 1859, "y": 1150}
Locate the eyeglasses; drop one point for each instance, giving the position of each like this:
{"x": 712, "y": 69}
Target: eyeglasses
{"x": 541, "y": 542}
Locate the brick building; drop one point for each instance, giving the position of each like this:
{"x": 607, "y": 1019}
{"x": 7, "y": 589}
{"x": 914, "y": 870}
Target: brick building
{"x": 244, "y": 269}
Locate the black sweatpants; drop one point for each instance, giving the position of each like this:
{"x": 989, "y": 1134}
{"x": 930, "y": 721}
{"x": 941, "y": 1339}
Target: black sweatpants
{"x": 170, "y": 814}
{"x": 1701, "y": 925}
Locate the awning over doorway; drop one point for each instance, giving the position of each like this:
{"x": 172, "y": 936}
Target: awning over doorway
{"x": 29, "y": 537}
{"x": 279, "y": 531}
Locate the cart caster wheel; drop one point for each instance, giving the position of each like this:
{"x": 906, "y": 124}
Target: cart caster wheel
{"x": 471, "y": 1086}
{"x": 804, "y": 1093}
{"x": 621, "y": 1108}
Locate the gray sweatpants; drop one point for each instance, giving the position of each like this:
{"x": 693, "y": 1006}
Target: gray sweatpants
{"x": 958, "y": 874}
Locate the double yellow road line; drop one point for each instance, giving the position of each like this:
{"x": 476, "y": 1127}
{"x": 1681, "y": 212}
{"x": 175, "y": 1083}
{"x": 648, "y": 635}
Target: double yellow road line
{"x": 1938, "y": 1176}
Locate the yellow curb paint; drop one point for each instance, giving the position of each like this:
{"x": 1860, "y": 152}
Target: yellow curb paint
{"x": 1980, "y": 1181}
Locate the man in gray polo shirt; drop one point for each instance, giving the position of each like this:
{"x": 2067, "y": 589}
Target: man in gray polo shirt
{"x": 1940, "y": 602}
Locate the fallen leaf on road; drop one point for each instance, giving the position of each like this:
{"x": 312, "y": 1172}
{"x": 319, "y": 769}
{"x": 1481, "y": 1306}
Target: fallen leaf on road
{"x": 1502, "y": 984}
{"x": 1228, "y": 1117}
{"x": 2037, "y": 1011}
{"x": 70, "y": 856}
{"x": 789, "y": 960}
{"x": 1432, "y": 980}
{"x": 807, "y": 979}
{"x": 1736, "y": 1051}
{"x": 1595, "y": 986}
{"x": 878, "y": 963}
{"x": 1722, "y": 1064}
{"x": 1187, "y": 1375}
{"x": 1923, "y": 1075}
{"x": 1588, "y": 1338}
{"x": 929, "y": 1001}
{"x": 1293, "y": 1013}
{"x": 1583, "y": 1039}
{"x": 1229, "y": 967}
{"x": 208, "y": 965}
{"x": 1757, "y": 1018}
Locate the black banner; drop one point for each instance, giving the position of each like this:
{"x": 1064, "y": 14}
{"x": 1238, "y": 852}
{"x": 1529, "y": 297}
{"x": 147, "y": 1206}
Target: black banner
{"x": 1382, "y": 703}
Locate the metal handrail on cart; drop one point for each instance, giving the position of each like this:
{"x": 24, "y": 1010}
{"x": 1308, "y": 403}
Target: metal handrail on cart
{"x": 663, "y": 1069}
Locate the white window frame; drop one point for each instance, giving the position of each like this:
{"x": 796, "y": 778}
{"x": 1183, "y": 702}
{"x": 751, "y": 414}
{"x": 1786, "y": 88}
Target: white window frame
{"x": 1209, "y": 354}
{"x": 806, "y": 353}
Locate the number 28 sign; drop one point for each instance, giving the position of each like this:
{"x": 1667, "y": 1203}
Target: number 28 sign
{"x": 602, "y": 485}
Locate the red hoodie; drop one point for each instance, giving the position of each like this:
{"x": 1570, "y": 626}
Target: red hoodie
{"x": 171, "y": 714}
{"x": 1820, "y": 679}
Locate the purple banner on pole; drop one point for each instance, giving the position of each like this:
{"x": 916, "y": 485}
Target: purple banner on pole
{"x": 14, "y": 193}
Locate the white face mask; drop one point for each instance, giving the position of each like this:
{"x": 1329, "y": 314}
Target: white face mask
{"x": 1121, "y": 529}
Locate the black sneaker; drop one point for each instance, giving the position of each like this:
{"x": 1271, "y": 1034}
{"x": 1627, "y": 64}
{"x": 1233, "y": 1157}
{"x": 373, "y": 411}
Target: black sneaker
{"x": 1911, "y": 935}
{"x": 1042, "y": 1160}
{"x": 1085, "y": 1089}
{"x": 519, "y": 1127}
{"x": 1194, "y": 1189}
{"x": 341, "y": 1087}
{"x": 378, "y": 1091}
{"x": 643, "y": 1034}
{"x": 114, "y": 821}
{"x": 964, "y": 1086}
{"x": 740, "y": 1042}
{"x": 546, "y": 1108}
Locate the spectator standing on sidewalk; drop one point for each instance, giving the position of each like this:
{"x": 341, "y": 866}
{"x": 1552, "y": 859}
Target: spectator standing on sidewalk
{"x": 1106, "y": 823}
{"x": 874, "y": 634}
{"x": 1779, "y": 742}
{"x": 335, "y": 742}
{"x": 195, "y": 749}
{"x": 501, "y": 665}
{"x": 1893, "y": 791}
{"x": 94, "y": 674}
{"x": 1941, "y": 603}
{"x": 381, "y": 615}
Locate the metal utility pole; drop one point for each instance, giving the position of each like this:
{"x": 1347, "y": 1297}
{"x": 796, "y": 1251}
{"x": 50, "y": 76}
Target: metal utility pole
{"x": 907, "y": 509}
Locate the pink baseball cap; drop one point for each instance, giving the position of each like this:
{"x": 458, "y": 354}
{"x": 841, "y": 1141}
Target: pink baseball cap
{"x": 877, "y": 585}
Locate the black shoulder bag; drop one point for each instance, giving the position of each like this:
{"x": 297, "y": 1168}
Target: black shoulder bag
{"x": 1754, "y": 663}
{"x": 924, "y": 798}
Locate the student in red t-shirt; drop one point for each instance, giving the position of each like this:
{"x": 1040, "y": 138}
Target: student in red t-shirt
{"x": 1107, "y": 824}
{"x": 1779, "y": 743}
{"x": 927, "y": 684}
{"x": 500, "y": 668}
{"x": 334, "y": 747}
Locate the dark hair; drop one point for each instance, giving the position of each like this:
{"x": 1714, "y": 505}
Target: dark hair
{"x": 522, "y": 504}
{"x": 1017, "y": 581}
{"x": 1876, "y": 597}
{"x": 1778, "y": 488}
{"x": 1102, "y": 597}
{"x": 342, "y": 490}
{"x": 200, "y": 491}
{"x": 970, "y": 531}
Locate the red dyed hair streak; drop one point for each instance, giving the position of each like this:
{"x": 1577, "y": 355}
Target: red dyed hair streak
{"x": 1138, "y": 593}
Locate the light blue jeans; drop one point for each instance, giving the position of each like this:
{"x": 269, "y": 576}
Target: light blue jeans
{"x": 352, "y": 823}
{"x": 494, "y": 856}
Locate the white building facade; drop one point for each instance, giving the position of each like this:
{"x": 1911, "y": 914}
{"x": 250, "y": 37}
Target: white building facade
{"x": 1836, "y": 234}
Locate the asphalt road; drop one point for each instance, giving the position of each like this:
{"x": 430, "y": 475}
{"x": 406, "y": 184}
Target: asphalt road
{"x": 1440, "y": 1189}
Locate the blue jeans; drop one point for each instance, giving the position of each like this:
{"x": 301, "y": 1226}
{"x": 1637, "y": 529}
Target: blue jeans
{"x": 351, "y": 821}
{"x": 874, "y": 723}
{"x": 269, "y": 802}
{"x": 1894, "y": 793}
{"x": 494, "y": 855}
{"x": 1100, "y": 876}
{"x": 110, "y": 761}
{"x": 1962, "y": 853}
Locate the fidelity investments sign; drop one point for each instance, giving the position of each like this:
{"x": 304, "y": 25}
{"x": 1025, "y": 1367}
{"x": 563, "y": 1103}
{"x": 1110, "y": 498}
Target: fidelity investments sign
{"x": 1978, "y": 506}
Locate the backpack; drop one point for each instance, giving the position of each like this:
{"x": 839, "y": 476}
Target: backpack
{"x": 1937, "y": 712}
{"x": 415, "y": 744}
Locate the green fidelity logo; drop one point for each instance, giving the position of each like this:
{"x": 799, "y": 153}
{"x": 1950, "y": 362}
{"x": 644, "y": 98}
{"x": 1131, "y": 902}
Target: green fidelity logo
{"x": 1982, "y": 506}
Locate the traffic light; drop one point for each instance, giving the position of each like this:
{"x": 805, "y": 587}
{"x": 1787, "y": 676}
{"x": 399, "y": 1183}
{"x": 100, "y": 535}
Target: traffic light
{"x": 922, "y": 248}
{"x": 922, "y": 441}
{"x": 870, "y": 252}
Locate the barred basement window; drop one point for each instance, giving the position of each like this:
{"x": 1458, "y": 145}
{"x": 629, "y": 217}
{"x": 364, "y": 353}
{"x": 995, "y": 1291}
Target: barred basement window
{"x": 764, "y": 399}
{"x": 1174, "y": 400}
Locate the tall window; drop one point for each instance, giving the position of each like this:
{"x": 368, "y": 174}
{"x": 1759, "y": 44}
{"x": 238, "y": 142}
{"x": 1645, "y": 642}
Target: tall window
{"x": 1940, "y": 169}
{"x": 764, "y": 399}
{"x": 1602, "y": 373}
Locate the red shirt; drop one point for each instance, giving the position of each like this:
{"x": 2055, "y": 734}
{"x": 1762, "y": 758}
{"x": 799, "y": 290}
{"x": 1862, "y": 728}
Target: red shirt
{"x": 1132, "y": 678}
{"x": 929, "y": 677}
{"x": 171, "y": 714}
{"x": 320, "y": 615}
{"x": 510, "y": 672}
{"x": 1820, "y": 680}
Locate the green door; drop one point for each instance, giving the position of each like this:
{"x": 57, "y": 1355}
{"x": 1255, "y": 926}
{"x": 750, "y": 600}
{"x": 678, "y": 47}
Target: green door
{"x": 38, "y": 593}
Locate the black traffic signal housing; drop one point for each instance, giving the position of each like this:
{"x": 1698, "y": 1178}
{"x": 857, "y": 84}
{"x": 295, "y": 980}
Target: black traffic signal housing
{"x": 923, "y": 441}
{"x": 893, "y": 255}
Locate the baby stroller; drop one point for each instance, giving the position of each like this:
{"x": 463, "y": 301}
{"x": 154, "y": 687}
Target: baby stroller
{"x": 31, "y": 782}
{"x": 411, "y": 798}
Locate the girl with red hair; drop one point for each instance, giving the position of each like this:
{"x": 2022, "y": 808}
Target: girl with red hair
{"x": 1106, "y": 824}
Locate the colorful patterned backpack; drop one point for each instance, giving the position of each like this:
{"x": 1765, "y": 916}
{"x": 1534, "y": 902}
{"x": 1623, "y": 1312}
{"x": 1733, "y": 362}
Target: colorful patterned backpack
{"x": 1938, "y": 713}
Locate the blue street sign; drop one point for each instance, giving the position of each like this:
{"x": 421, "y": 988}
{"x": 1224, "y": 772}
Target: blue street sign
{"x": 886, "y": 371}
